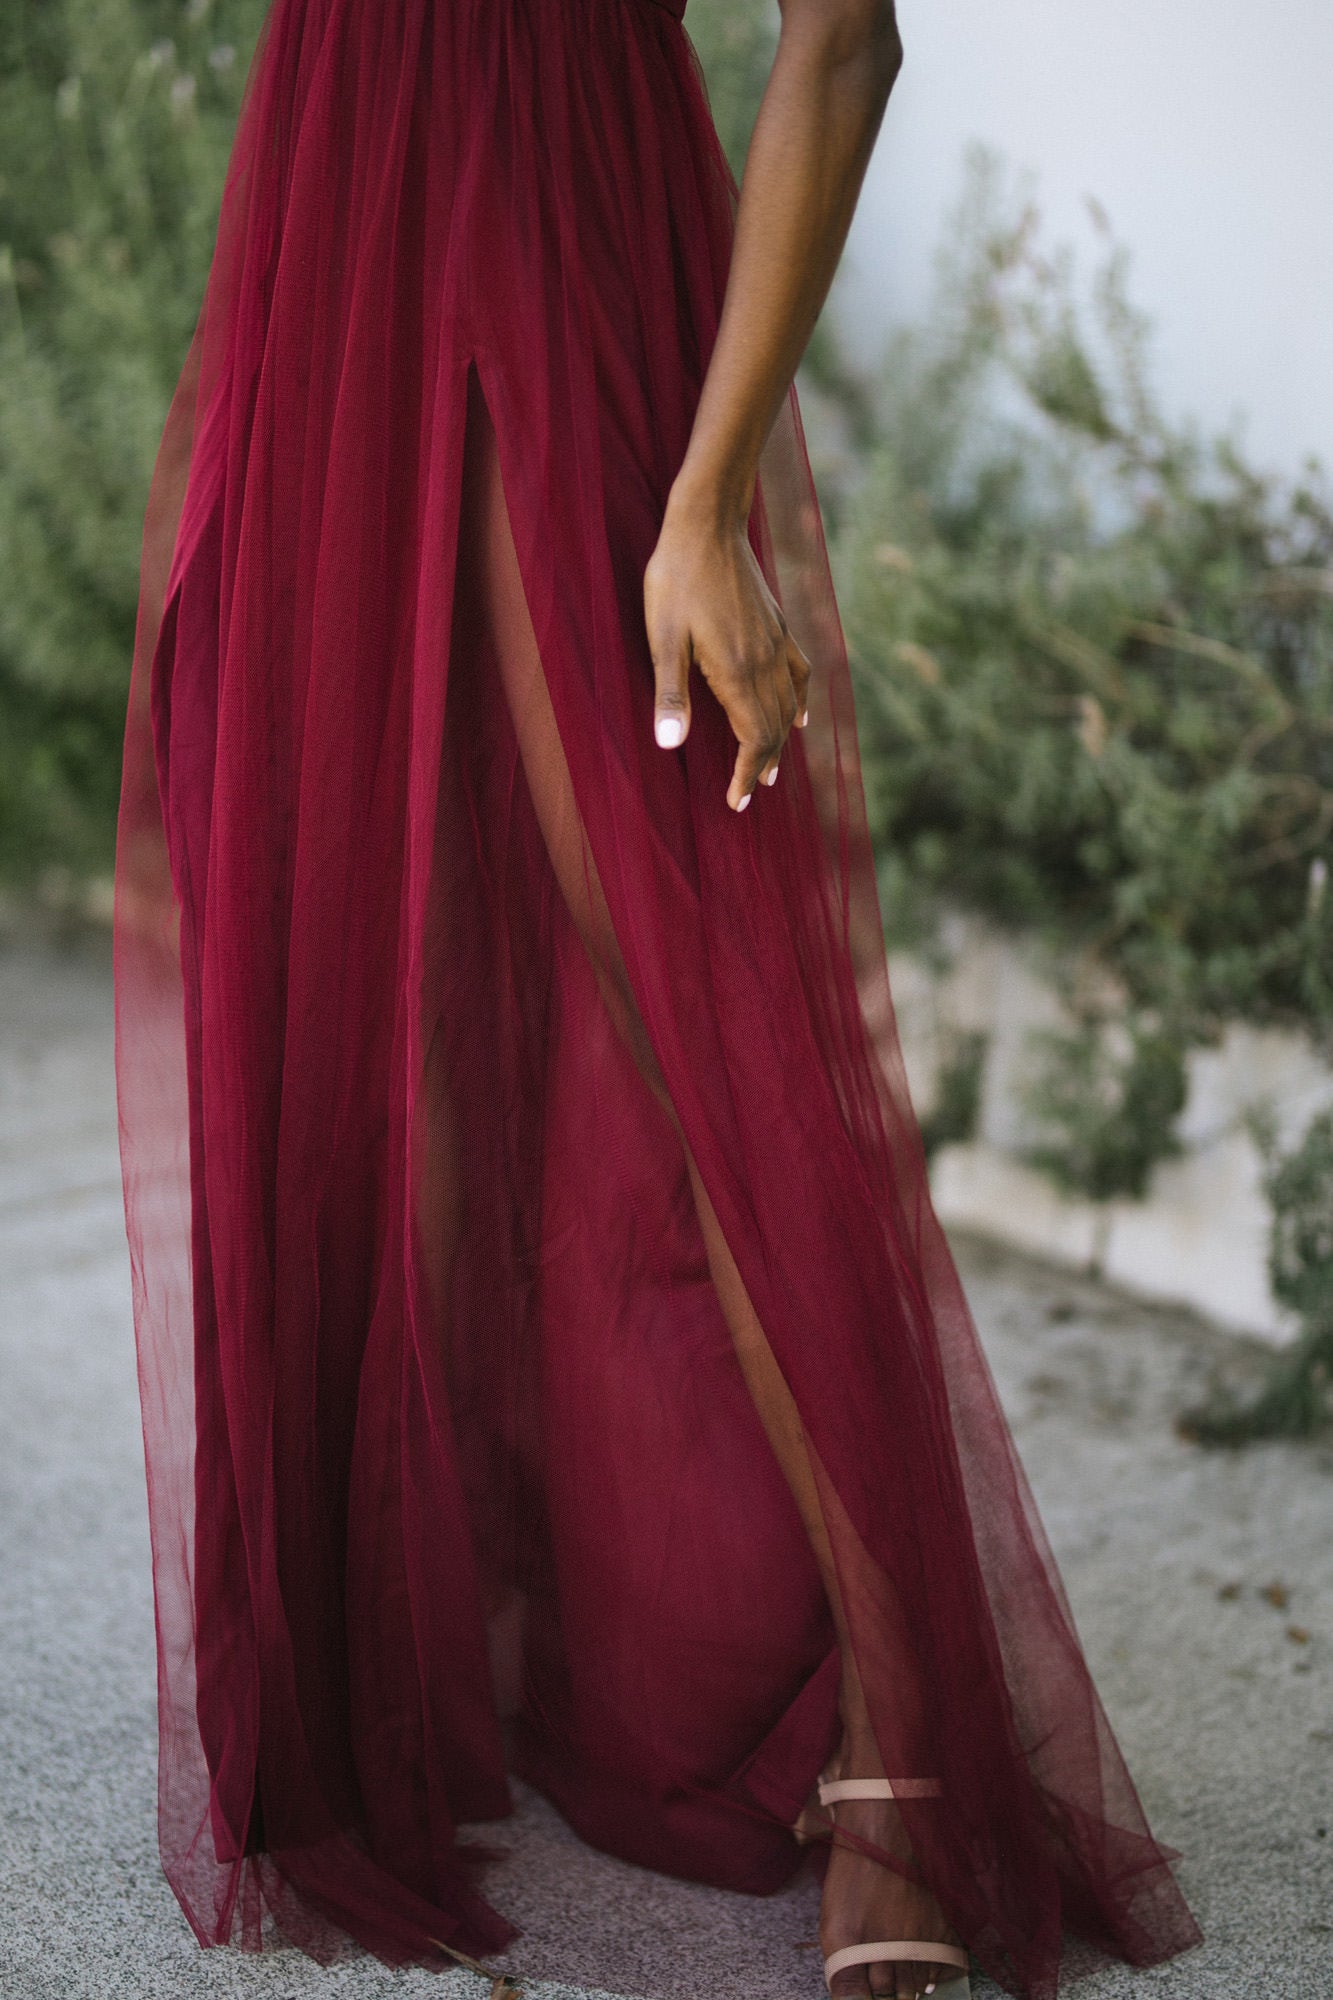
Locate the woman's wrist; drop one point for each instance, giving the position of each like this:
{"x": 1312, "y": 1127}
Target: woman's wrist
{"x": 706, "y": 499}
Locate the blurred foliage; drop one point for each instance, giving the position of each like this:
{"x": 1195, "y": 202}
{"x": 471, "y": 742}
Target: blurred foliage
{"x": 735, "y": 40}
{"x": 1094, "y": 655}
{"x": 1094, "y": 669}
{"x": 1296, "y": 1399}
{"x": 1111, "y": 1110}
{"x": 116, "y": 120}
{"x": 952, "y": 1119}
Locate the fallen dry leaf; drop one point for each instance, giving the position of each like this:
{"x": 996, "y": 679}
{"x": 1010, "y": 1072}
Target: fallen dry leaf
{"x": 1277, "y": 1595}
{"x": 503, "y": 1985}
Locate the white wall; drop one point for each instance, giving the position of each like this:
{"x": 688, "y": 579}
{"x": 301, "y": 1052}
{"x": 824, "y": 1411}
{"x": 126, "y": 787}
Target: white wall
{"x": 1204, "y": 128}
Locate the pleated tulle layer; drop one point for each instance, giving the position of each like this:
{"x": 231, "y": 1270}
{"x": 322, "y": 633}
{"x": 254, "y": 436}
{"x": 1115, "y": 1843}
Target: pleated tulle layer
{"x": 425, "y": 960}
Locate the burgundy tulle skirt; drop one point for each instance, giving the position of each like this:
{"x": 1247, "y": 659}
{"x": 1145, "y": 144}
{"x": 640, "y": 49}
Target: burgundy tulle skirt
{"x": 427, "y": 958}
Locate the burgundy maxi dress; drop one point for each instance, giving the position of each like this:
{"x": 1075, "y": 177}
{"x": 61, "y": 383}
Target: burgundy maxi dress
{"x": 426, "y": 958}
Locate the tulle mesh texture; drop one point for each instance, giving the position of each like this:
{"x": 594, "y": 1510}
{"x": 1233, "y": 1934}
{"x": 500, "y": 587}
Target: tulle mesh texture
{"x": 427, "y": 959}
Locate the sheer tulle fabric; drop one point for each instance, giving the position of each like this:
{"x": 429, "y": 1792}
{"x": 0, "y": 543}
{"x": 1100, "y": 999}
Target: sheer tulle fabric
{"x": 426, "y": 959}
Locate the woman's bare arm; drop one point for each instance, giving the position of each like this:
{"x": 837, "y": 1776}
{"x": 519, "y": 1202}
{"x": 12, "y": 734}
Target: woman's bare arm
{"x": 705, "y": 598}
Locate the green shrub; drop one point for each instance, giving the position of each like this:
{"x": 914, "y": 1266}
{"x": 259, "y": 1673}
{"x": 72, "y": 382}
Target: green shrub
{"x": 1110, "y": 1113}
{"x": 952, "y": 1119}
{"x": 116, "y": 118}
{"x": 116, "y": 121}
{"x": 1094, "y": 656}
{"x": 735, "y": 40}
{"x": 1297, "y": 1396}
{"x": 1094, "y": 669}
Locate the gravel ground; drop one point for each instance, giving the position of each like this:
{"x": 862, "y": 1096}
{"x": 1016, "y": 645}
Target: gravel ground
{"x": 1202, "y": 1584}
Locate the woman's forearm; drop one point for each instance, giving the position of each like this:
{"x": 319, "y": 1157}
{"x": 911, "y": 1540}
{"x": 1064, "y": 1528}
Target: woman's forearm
{"x": 834, "y": 68}
{"x": 707, "y": 604}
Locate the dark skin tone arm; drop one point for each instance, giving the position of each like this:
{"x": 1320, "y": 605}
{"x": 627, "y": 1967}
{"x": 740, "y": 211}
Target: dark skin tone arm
{"x": 706, "y": 602}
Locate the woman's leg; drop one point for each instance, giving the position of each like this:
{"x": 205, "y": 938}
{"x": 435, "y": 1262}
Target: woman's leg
{"x": 861, "y": 1898}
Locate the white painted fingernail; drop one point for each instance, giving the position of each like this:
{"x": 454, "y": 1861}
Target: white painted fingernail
{"x": 744, "y": 802}
{"x": 771, "y": 777}
{"x": 670, "y": 731}
{"x": 803, "y": 718}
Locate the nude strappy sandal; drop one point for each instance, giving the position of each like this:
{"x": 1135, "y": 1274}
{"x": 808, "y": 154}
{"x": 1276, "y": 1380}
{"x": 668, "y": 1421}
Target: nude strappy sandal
{"x": 955, "y": 1985}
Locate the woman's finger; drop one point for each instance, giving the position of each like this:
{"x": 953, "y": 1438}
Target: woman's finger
{"x": 671, "y": 705}
{"x": 760, "y": 720}
{"x": 779, "y": 689}
{"x": 756, "y": 749}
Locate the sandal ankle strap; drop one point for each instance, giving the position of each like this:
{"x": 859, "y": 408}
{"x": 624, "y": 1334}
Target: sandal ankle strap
{"x": 831, "y": 1789}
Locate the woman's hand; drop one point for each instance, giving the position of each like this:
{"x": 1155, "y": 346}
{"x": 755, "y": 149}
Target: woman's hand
{"x": 704, "y": 594}
{"x": 706, "y": 600}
